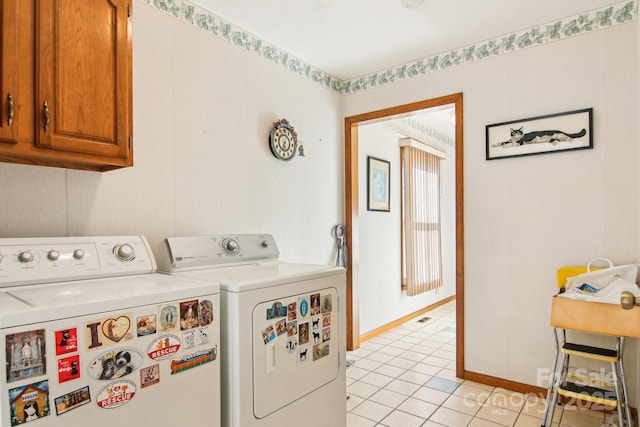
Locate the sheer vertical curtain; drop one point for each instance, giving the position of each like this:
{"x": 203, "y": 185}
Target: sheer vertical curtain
{"x": 421, "y": 248}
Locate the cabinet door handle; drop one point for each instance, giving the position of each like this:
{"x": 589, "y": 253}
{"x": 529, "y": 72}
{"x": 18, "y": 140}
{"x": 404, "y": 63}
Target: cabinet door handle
{"x": 10, "y": 109}
{"x": 47, "y": 116}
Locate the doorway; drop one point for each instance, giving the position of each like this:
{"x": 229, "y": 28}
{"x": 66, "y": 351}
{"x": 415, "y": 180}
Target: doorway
{"x": 352, "y": 188}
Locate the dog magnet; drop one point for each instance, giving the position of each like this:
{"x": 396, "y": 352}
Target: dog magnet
{"x": 115, "y": 364}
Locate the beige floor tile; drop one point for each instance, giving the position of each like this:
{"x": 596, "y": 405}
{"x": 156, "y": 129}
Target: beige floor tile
{"x": 436, "y": 361}
{"x": 372, "y": 410}
{"x": 529, "y": 421}
{"x": 449, "y": 355}
{"x": 430, "y": 423}
{"x": 461, "y": 404}
{"x": 448, "y": 417}
{"x": 361, "y": 389}
{"x": 479, "y": 422}
{"x": 415, "y": 377}
{"x": 418, "y": 407}
{"x": 390, "y": 371}
{"x": 380, "y": 357}
{"x": 367, "y": 364}
{"x": 401, "y": 363}
{"x": 368, "y": 345}
{"x": 471, "y": 391}
{"x": 449, "y": 374}
{"x": 506, "y": 399}
{"x": 431, "y": 395}
{"x": 354, "y": 420}
{"x": 404, "y": 387}
{"x": 578, "y": 418}
{"x": 402, "y": 419}
{"x": 425, "y": 368}
{"x": 381, "y": 340}
{"x": 393, "y": 351}
{"x": 412, "y": 355}
{"x": 353, "y": 401}
{"x": 355, "y": 372}
{"x": 376, "y": 379}
{"x": 388, "y": 398}
{"x": 497, "y": 415}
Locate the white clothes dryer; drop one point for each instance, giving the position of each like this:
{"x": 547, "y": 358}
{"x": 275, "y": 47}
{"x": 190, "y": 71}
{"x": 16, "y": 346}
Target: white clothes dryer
{"x": 283, "y": 334}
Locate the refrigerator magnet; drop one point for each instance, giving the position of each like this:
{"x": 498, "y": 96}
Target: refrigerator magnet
{"x": 303, "y": 333}
{"x": 116, "y": 394}
{"x": 189, "y": 315}
{"x": 303, "y": 354}
{"x": 163, "y": 347}
{"x": 327, "y": 306}
{"x": 193, "y": 360}
{"x": 115, "y": 364}
{"x": 68, "y": 368}
{"x": 303, "y": 306}
{"x": 149, "y": 376}
{"x": 281, "y": 326}
{"x": 108, "y": 332}
{"x": 268, "y": 334}
{"x": 168, "y": 317}
{"x": 146, "y": 325}
{"x": 66, "y": 341}
{"x": 25, "y": 355}
{"x": 73, "y": 400}
{"x": 29, "y": 402}
{"x": 202, "y": 336}
{"x": 206, "y": 312}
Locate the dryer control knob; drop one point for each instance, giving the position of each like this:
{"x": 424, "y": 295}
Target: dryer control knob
{"x": 124, "y": 252}
{"x": 53, "y": 255}
{"x": 25, "y": 257}
{"x": 78, "y": 254}
{"x": 230, "y": 246}
{"x": 264, "y": 244}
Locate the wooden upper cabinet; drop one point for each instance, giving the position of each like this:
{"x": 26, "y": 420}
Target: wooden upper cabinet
{"x": 9, "y": 71}
{"x": 71, "y": 62}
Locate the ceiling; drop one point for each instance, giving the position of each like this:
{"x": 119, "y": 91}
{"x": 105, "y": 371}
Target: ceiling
{"x": 352, "y": 38}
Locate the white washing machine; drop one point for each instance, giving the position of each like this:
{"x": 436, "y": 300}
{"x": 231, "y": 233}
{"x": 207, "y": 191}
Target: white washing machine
{"x": 93, "y": 336}
{"x": 283, "y": 329}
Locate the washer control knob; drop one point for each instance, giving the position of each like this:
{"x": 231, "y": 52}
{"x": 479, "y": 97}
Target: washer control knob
{"x": 230, "y": 246}
{"x": 25, "y": 257}
{"x": 264, "y": 244}
{"x": 78, "y": 254}
{"x": 53, "y": 255}
{"x": 124, "y": 252}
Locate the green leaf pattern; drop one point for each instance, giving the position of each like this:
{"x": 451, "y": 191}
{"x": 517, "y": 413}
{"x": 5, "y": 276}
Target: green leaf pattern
{"x": 619, "y": 13}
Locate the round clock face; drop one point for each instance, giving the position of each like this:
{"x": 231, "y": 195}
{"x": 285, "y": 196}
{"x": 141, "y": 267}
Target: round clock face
{"x": 282, "y": 142}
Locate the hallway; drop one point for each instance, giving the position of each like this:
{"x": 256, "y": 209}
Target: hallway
{"x": 406, "y": 377}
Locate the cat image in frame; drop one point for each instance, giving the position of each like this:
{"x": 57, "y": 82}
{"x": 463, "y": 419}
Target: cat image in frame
{"x": 519, "y": 138}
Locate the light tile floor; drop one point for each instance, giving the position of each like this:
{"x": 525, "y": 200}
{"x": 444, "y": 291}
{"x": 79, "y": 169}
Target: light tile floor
{"x": 406, "y": 377}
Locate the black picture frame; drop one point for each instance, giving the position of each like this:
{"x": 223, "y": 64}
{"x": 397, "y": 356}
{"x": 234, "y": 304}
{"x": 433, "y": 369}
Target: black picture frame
{"x": 568, "y": 131}
{"x": 378, "y": 184}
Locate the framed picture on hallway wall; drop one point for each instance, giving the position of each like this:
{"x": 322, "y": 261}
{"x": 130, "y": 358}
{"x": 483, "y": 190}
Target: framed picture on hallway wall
{"x": 378, "y": 184}
{"x": 572, "y": 130}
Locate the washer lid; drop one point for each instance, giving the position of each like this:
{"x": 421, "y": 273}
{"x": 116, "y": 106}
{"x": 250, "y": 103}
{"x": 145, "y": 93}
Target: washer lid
{"x": 42, "y": 303}
{"x": 247, "y": 277}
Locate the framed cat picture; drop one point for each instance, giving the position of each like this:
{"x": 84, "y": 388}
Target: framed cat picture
{"x": 572, "y": 130}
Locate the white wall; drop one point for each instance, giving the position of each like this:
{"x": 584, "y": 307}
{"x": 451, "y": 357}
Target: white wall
{"x": 203, "y": 110}
{"x": 381, "y": 298}
{"x": 525, "y": 217}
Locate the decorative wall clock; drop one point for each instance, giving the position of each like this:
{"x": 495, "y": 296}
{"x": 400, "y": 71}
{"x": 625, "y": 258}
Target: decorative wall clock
{"x": 283, "y": 140}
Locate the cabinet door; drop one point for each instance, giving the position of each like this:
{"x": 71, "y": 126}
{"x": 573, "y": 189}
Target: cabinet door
{"x": 8, "y": 71}
{"x": 83, "y": 68}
